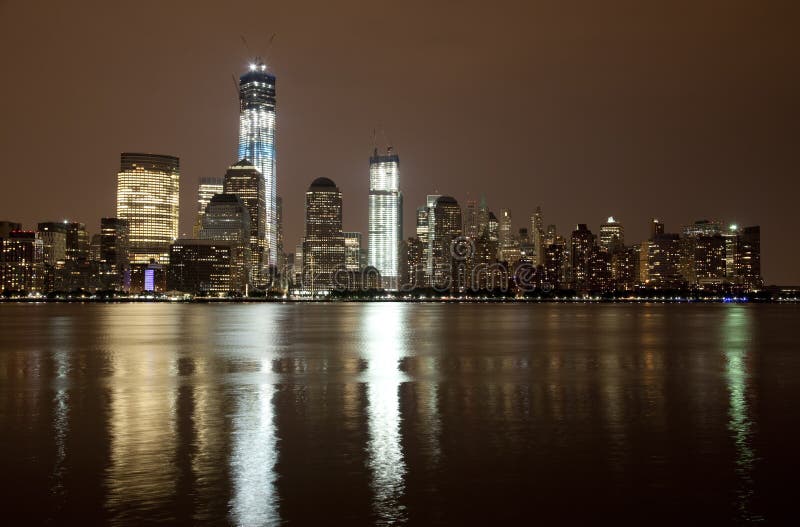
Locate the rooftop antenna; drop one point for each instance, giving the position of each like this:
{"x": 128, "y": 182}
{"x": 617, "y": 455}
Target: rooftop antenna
{"x": 246, "y": 47}
{"x": 235, "y": 85}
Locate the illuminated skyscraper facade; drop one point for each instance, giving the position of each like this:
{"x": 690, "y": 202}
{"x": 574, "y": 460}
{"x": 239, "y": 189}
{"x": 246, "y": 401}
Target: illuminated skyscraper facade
{"x": 147, "y": 197}
{"x": 612, "y": 235}
{"x": 227, "y": 219}
{"x": 114, "y": 248}
{"x": 537, "y": 236}
{"x": 352, "y": 245}
{"x": 582, "y": 245}
{"x": 471, "y": 219}
{"x": 20, "y": 261}
{"x": 323, "y": 246}
{"x": 257, "y": 143}
{"x": 205, "y": 191}
{"x": 385, "y": 216}
{"x": 425, "y": 225}
{"x": 77, "y": 243}
{"x": 447, "y": 224}
{"x": 246, "y": 182}
{"x": 54, "y": 242}
{"x": 202, "y": 266}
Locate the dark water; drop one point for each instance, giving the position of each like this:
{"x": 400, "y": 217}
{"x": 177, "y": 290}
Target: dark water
{"x": 399, "y": 413}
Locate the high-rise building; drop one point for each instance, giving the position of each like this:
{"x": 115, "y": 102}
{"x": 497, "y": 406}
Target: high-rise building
{"x": 550, "y": 235}
{"x": 702, "y": 228}
{"x": 77, "y": 242}
{"x": 527, "y": 249}
{"x": 147, "y": 198}
{"x": 706, "y": 260}
{"x": 506, "y": 233}
{"x": 471, "y": 219}
{"x": 537, "y": 236}
{"x": 732, "y": 262}
{"x": 279, "y": 235}
{"x": 352, "y": 251}
{"x": 114, "y": 247}
{"x": 205, "y": 191}
{"x": 298, "y": 264}
{"x": 424, "y": 233}
{"x": 246, "y": 182}
{"x": 625, "y": 268}
{"x": 54, "y": 242}
{"x": 656, "y": 228}
{"x": 20, "y": 262}
{"x": 323, "y": 245}
{"x": 202, "y": 266}
{"x": 554, "y": 262}
{"x": 94, "y": 248}
{"x": 483, "y": 217}
{"x": 749, "y": 258}
{"x": 414, "y": 264}
{"x": 660, "y": 262}
{"x": 227, "y": 219}
{"x": 612, "y": 235}
{"x": 493, "y": 227}
{"x": 385, "y": 216}
{"x": 447, "y": 224}
{"x": 582, "y": 245}
{"x": 422, "y": 224}
{"x": 257, "y": 143}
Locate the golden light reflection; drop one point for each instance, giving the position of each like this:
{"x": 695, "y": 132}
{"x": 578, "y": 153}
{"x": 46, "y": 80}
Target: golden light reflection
{"x": 141, "y": 344}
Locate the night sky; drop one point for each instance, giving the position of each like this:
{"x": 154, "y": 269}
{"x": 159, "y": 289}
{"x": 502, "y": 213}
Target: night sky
{"x": 680, "y": 110}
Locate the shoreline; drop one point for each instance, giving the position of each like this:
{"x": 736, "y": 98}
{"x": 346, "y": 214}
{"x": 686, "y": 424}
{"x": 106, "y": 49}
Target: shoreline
{"x": 158, "y": 300}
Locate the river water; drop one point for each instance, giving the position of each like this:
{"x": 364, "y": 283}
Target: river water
{"x": 392, "y": 413}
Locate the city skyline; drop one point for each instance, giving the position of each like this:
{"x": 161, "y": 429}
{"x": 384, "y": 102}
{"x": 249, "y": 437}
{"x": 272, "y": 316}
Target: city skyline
{"x": 607, "y": 173}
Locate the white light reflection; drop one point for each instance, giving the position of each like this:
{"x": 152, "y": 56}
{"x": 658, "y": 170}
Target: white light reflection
{"x": 255, "y": 450}
{"x": 59, "y": 333}
{"x": 383, "y": 336}
{"x": 253, "y": 458}
{"x": 736, "y": 337}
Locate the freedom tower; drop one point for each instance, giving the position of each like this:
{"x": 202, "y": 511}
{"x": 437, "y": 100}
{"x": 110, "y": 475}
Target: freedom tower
{"x": 257, "y": 142}
{"x": 385, "y": 216}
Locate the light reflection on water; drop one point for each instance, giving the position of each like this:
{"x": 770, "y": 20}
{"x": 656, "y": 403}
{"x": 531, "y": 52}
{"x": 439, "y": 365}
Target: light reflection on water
{"x": 736, "y": 336}
{"x": 142, "y": 474}
{"x": 430, "y": 413}
{"x": 384, "y": 333}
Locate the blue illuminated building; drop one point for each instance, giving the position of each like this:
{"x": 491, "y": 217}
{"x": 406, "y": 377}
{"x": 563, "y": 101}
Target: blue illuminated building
{"x": 257, "y": 142}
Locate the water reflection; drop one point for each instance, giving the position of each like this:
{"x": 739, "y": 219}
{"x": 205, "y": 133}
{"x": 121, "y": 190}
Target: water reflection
{"x": 736, "y": 334}
{"x": 393, "y": 413}
{"x": 383, "y": 338}
{"x": 59, "y": 333}
{"x": 255, "y": 446}
{"x": 142, "y": 476}
{"x": 253, "y": 457}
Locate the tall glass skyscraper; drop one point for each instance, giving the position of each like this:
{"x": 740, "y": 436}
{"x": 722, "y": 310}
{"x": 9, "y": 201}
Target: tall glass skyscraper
{"x": 257, "y": 142}
{"x": 385, "y": 216}
{"x": 147, "y": 197}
